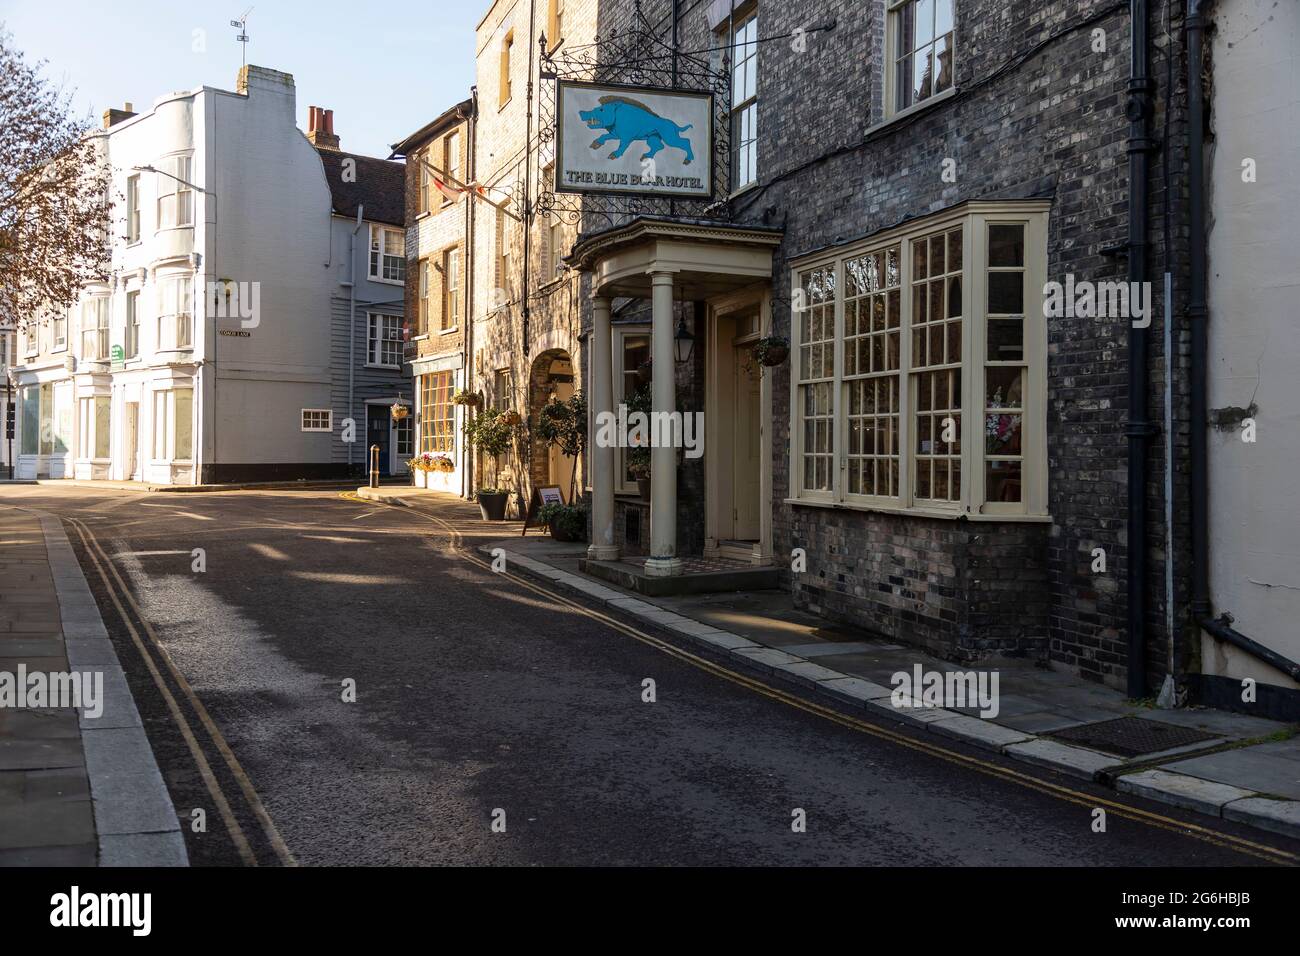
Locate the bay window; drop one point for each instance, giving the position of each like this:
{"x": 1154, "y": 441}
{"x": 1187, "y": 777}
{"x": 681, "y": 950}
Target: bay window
{"x": 437, "y": 413}
{"x": 919, "y": 381}
{"x": 175, "y": 312}
{"x": 94, "y": 329}
{"x": 175, "y": 193}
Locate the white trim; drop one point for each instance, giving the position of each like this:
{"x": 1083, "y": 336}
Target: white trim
{"x": 329, "y": 417}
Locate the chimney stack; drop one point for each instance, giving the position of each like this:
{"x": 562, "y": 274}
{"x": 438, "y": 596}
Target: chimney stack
{"x": 112, "y": 117}
{"x": 320, "y": 128}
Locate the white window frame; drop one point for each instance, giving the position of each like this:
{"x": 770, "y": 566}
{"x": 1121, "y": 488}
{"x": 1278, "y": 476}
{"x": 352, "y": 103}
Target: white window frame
{"x": 309, "y": 420}
{"x": 619, "y": 334}
{"x": 743, "y": 115}
{"x": 379, "y": 260}
{"x": 59, "y": 332}
{"x": 453, "y": 299}
{"x": 381, "y": 329}
{"x": 167, "y": 424}
{"x": 893, "y": 24}
{"x": 131, "y": 326}
{"x": 175, "y": 325}
{"x": 31, "y": 336}
{"x": 974, "y": 220}
{"x": 451, "y": 160}
{"x": 94, "y": 328}
{"x": 175, "y": 205}
{"x": 133, "y": 225}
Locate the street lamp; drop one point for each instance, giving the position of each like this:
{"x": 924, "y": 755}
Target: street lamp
{"x": 683, "y": 342}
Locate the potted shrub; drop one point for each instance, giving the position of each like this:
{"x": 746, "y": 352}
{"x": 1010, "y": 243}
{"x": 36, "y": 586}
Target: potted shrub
{"x": 771, "y": 350}
{"x": 491, "y": 431}
{"x": 638, "y": 465}
{"x": 566, "y": 522}
{"x": 563, "y": 425}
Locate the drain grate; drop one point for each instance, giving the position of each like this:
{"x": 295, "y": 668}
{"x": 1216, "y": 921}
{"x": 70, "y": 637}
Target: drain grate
{"x": 1131, "y": 736}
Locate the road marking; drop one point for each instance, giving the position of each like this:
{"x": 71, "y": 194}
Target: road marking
{"x": 237, "y": 771}
{"x": 1068, "y": 794}
{"x": 205, "y": 770}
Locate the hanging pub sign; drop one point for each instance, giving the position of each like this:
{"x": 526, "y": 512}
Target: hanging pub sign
{"x": 632, "y": 139}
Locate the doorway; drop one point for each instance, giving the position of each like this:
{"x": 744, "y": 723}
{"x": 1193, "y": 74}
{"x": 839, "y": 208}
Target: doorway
{"x": 131, "y": 439}
{"x": 738, "y": 471}
{"x": 377, "y": 428}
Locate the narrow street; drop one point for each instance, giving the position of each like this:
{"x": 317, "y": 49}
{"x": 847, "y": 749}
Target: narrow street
{"x": 475, "y": 694}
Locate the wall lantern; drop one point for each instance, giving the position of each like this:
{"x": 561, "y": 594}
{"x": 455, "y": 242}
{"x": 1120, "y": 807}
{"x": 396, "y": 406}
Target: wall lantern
{"x": 683, "y": 342}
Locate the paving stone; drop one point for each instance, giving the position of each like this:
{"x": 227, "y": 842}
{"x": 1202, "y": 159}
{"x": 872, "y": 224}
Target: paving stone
{"x": 40, "y": 754}
{"x": 980, "y": 732}
{"x": 918, "y": 714}
{"x": 766, "y": 655}
{"x": 132, "y": 803}
{"x": 115, "y": 750}
{"x": 1279, "y": 816}
{"x": 726, "y": 640}
{"x": 1074, "y": 761}
{"x": 1254, "y": 767}
{"x": 808, "y": 672}
{"x": 46, "y": 822}
{"x": 855, "y": 688}
{"x": 143, "y": 849}
{"x": 79, "y": 855}
{"x": 1180, "y": 790}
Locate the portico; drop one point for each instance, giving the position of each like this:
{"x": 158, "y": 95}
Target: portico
{"x": 673, "y": 262}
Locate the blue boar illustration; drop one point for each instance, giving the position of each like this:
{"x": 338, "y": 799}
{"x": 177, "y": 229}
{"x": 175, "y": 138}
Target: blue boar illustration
{"x": 628, "y": 121}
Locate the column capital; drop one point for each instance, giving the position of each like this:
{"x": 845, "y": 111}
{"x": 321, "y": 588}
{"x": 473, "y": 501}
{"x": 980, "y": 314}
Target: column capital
{"x": 661, "y": 278}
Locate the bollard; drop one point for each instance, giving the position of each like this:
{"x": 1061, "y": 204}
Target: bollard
{"x": 374, "y": 466}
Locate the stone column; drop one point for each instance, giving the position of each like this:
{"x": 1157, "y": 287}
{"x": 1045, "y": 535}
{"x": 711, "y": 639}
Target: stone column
{"x": 602, "y": 546}
{"x": 663, "y": 559}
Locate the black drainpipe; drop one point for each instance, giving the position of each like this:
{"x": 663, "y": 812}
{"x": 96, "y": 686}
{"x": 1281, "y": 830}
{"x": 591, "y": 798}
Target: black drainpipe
{"x": 1198, "y": 314}
{"x": 1140, "y": 428}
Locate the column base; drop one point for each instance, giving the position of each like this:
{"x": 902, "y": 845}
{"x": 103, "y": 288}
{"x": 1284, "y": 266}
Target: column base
{"x": 663, "y": 567}
{"x": 602, "y": 552}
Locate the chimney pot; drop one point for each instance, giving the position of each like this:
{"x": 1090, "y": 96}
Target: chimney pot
{"x": 320, "y": 128}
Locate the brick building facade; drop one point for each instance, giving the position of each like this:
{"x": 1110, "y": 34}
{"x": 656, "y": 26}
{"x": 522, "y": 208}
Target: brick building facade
{"x": 1013, "y": 143}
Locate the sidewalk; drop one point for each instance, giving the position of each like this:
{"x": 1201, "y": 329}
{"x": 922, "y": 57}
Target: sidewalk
{"x": 140, "y": 486}
{"x": 1227, "y": 765}
{"x": 75, "y": 789}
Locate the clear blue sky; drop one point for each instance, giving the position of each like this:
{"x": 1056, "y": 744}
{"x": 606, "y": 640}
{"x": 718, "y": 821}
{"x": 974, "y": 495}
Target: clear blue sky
{"x": 385, "y": 69}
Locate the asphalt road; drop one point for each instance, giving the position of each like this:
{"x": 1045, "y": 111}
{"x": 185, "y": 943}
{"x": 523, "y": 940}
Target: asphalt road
{"x": 475, "y": 695}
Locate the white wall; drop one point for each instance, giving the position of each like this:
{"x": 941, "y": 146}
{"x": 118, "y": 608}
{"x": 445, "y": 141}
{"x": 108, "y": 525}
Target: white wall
{"x": 1254, "y": 332}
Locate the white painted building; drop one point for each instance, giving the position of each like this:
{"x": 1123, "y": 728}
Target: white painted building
{"x": 204, "y": 354}
{"x": 1253, "y": 233}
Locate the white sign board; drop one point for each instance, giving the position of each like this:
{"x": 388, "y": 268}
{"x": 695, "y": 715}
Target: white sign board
{"x": 635, "y": 140}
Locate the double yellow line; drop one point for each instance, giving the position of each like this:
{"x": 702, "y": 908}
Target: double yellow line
{"x": 1251, "y": 848}
{"x": 152, "y": 652}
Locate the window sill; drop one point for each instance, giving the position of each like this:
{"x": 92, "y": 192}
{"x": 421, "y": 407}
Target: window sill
{"x": 914, "y": 110}
{"x": 374, "y": 278}
{"x": 918, "y": 512}
{"x": 423, "y": 336}
{"x": 504, "y": 103}
{"x": 454, "y": 328}
{"x": 382, "y": 367}
{"x": 737, "y": 193}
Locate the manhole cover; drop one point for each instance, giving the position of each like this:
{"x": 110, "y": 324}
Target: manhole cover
{"x": 1131, "y": 736}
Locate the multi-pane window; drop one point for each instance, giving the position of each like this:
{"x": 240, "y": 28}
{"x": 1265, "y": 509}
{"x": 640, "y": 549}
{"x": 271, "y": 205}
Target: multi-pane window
{"x": 872, "y": 356}
{"x": 387, "y": 254}
{"x": 424, "y": 298}
{"x": 132, "y": 325}
{"x": 317, "y": 420}
{"x": 633, "y": 348}
{"x": 921, "y": 44}
{"x": 744, "y": 102}
{"x": 95, "y": 419}
{"x": 905, "y": 343}
{"x": 816, "y": 380}
{"x": 937, "y": 363}
{"x": 404, "y": 437}
{"x": 503, "y": 81}
{"x": 502, "y": 393}
{"x": 175, "y": 194}
{"x": 175, "y": 312}
{"x": 501, "y": 292}
{"x": 437, "y": 413}
{"x": 556, "y": 25}
{"x": 173, "y": 424}
{"x": 1005, "y": 368}
{"x": 384, "y": 341}
{"x": 451, "y": 160}
{"x": 426, "y": 181}
{"x": 133, "y": 209}
{"x": 451, "y": 299}
{"x": 94, "y": 328}
{"x": 59, "y": 332}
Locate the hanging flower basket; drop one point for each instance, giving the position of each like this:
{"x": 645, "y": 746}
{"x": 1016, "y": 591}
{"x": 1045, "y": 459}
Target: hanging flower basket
{"x": 470, "y": 399}
{"x": 511, "y": 418}
{"x": 399, "y": 411}
{"x": 771, "y": 351}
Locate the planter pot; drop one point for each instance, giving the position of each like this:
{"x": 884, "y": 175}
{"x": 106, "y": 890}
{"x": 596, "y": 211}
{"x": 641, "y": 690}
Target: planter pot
{"x": 776, "y": 355}
{"x": 559, "y": 534}
{"x": 493, "y": 507}
{"x": 643, "y": 486}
